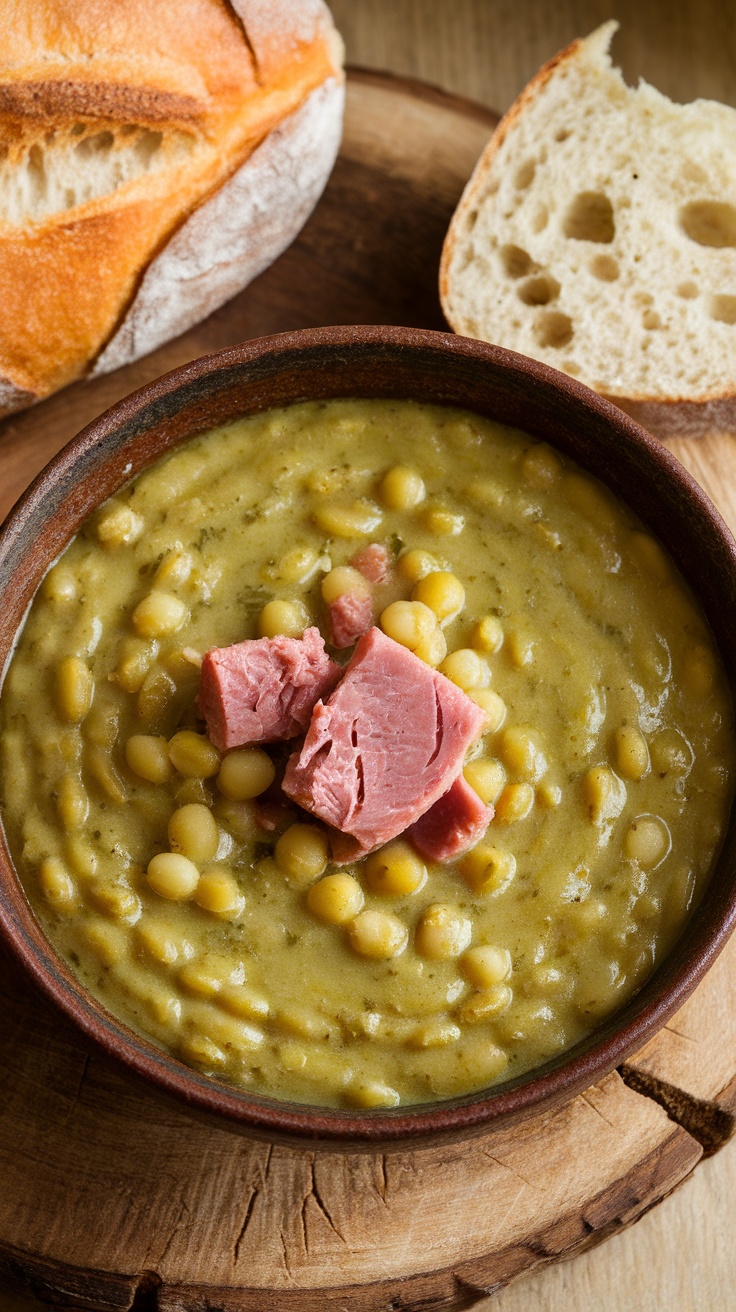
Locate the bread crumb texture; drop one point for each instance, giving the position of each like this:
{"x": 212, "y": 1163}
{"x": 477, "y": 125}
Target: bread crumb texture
{"x": 598, "y": 234}
{"x": 120, "y": 126}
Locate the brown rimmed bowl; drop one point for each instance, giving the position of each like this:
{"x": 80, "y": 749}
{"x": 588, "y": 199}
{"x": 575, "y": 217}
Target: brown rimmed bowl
{"x": 397, "y": 363}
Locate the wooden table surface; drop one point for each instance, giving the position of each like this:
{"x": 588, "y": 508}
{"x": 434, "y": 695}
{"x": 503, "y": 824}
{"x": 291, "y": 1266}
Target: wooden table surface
{"x": 682, "y": 1256}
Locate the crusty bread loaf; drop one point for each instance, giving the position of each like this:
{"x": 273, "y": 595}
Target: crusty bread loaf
{"x": 598, "y": 234}
{"x": 154, "y": 157}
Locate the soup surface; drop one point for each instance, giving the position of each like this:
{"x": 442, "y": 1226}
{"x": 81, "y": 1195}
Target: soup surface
{"x": 607, "y": 753}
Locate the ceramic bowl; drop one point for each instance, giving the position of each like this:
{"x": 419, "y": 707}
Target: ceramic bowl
{"x": 430, "y": 367}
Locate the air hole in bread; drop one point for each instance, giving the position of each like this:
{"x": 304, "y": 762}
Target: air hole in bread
{"x": 98, "y": 144}
{"x": 692, "y": 172}
{"x": 571, "y": 367}
{"x": 539, "y": 290}
{"x": 541, "y": 218}
{"x": 78, "y": 129}
{"x": 687, "y": 290}
{"x": 709, "y": 222}
{"x": 723, "y": 309}
{"x": 562, "y": 134}
{"x": 590, "y": 218}
{"x": 525, "y": 175}
{"x": 471, "y": 220}
{"x": 651, "y": 320}
{"x": 516, "y": 262}
{"x": 148, "y": 145}
{"x": 553, "y": 329}
{"x": 605, "y": 268}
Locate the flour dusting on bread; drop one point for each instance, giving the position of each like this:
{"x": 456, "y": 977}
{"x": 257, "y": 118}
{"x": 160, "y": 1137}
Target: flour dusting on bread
{"x": 236, "y": 234}
{"x": 598, "y": 234}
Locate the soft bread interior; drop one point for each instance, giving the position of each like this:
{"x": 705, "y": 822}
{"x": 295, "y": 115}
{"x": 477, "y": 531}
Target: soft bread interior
{"x": 599, "y": 233}
{"x": 69, "y": 167}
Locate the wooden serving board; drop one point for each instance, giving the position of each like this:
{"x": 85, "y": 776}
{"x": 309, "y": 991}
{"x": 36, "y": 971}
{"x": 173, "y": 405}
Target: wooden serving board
{"x": 113, "y": 1199}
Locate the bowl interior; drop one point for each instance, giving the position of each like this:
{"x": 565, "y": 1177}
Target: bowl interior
{"x": 395, "y": 363}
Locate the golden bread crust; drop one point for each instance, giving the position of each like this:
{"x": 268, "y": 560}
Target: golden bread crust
{"x": 153, "y": 108}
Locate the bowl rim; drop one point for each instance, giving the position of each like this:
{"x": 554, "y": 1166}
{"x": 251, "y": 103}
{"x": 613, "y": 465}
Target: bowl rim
{"x": 315, "y": 1125}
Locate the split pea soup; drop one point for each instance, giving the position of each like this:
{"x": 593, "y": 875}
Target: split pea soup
{"x": 203, "y": 909}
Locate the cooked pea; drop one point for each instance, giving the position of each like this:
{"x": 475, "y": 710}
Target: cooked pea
{"x": 159, "y": 614}
{"x": 442, "y": 932}
{"x": 395, "y": 870}
{"x": 492, "y": 706}
{"x": 351, "y": 521}
{"x": 344, "y": 579}
{"x": 486, "y": 778}
{"x": 72, "y": 802}
{"x": 245, "y": 773}
{"x": 119, "y": 526}
{"x": 432, "y": 649}
{"x": 57, "y": 885}
{"x": 402, "y": 488}
{"x": 193, "y": 831}
{"x": 193, "y": 755}
{"x": 648, "y": 841}
{"x": 173, "y": 876}
{"x": 108, "y": 942}
{"x": 372, "y": 1093}
{"x": 74, "y": 688}
{"x": 442, "y": 592}
{"x": 436, "y": 1034}
{"x": 413, "y": 565}
{"x": 541, "y": 466}
{"x": 302, "y": 853}
{"x": 408, "y": 622}
{"x": 218, "y": 892}
{"x": 488, "y": 870}
{"x": 488, "y": 634}
{"x": 632, "y": 753}
{"x": 466, "y": 668}
{"x": 485, "y": 965}
{"x": 287, "y": 618}
{"x": 514, "y": 804}
{"x": 604, "y": 793}
{"x": 335, "y": 899}
{"x": 148, "y": 757}
{"x": 377, "y": 934}
{"x": 116, "y": 901}
{"x": 443, "y": 521}
{"x": 484, "y": 1003}
{"x": 521, "y": 753}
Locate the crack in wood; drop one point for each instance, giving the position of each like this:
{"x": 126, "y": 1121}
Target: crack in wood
{"x": 246, "y": 1222}
{"x": 710, "y": 1125}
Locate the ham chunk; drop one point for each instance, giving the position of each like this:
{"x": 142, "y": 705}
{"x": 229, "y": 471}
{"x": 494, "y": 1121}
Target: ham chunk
{"x": 264, "y": 690}
{"x": 455, "y": 823}
{"x": 351, "y": 615}
{"x": 388, "y": 744}
{"x": 372, "y": 562}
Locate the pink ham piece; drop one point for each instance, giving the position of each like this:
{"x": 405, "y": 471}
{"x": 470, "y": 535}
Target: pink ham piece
{"x": 455, "y": 823}
{"x": 351, "y": 615}
{"x": 264, "y": 690}
{"x": 372, "y": 562}
{"x": 384, "y": 748}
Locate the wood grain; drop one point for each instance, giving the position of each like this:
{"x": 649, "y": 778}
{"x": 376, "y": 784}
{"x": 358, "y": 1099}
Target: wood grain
{"x": 94, "y": 1172}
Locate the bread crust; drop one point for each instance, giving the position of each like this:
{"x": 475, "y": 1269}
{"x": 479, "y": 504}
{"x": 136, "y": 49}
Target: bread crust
{"x": 713, "y": 411}
{"x": 237, "y": 233}
{"x": 205, "y": 86}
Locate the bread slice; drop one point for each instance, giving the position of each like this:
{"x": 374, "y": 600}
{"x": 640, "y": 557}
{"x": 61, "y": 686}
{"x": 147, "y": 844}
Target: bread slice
{"x": 153, "y": 159}
{"x": 598, "y": 234}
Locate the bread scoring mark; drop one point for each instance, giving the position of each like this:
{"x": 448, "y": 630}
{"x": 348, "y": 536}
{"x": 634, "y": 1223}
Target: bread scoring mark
{"x": 248, "y": 43}
{"x": 65, "y": 98}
